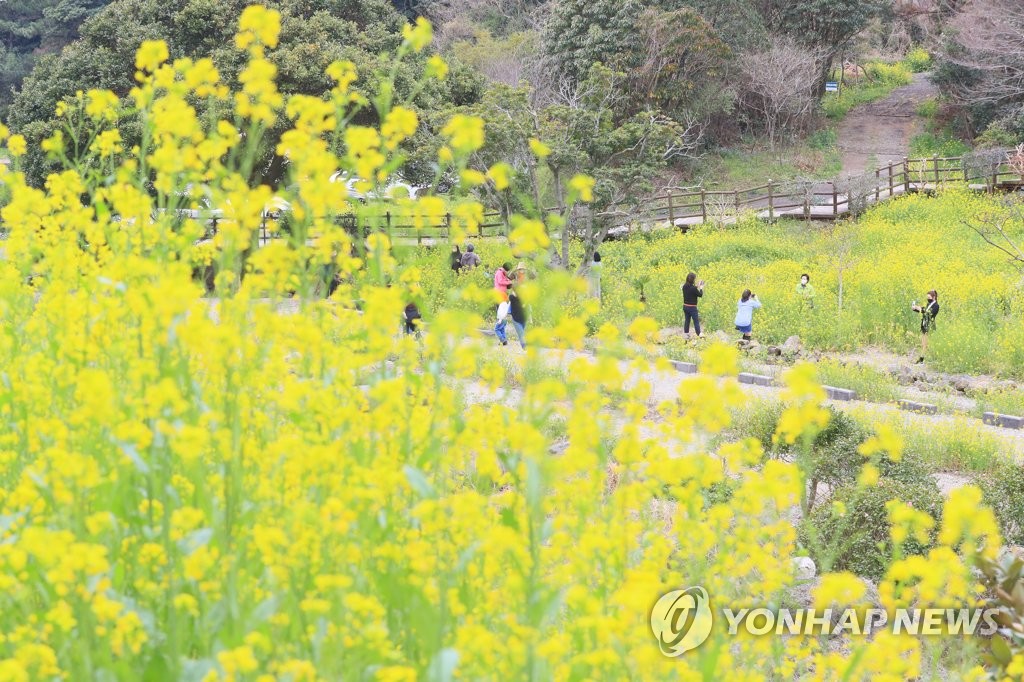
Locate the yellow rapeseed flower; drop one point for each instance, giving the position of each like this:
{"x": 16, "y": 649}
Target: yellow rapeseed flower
{"x": 150, "y": 55}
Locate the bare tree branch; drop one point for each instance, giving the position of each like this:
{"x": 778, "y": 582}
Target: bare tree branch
{"x": 988, "y": 37}
{"x": 779, "y": 85}
{"x": 993, "y": 228}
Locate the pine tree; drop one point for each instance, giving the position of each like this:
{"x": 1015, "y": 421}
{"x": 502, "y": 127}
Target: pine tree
{"x": 581, "y": 33}
{"x": 31, "y": 28}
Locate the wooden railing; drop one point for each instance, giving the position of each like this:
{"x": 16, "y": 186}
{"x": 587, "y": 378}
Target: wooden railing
{"x": 399, "y": 227}
{"x": 799, "y": 199}
{"x": 822, "y": 200}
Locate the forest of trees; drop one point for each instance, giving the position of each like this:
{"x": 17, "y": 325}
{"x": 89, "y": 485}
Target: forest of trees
{"x": 628, "y": 91}
{"x": 32, "y": 28}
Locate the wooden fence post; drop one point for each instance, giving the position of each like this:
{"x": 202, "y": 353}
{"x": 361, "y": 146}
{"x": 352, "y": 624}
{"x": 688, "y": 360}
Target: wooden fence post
{"x": 736, "y": 199}
{"x": 890, "y": 180}
{"x": 703, "y": 207}
{"x": 935, "y": 166}
{"x": 771, "y": 201}
{"x": 906, "y": 175}
{"x": 835, "y": 200}
{"x": 671, "y": 211}
{"x": 878, "y": 175}
{"x": 807, "y": 204}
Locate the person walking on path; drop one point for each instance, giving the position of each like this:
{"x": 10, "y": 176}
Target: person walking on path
{"x": 748, "y": 303}
{"x": 413, "y": 319}
{"x": 502, "y": 280}
{"x": 518, "y": 315}
{"x": 470, "y": 259}
{"x": 805, "y": 291}
{"x": 692, "y": 290}
{"x": 929, "y": 312}
{"x": 500, "y": 327}
{"x": 456, "y": 259}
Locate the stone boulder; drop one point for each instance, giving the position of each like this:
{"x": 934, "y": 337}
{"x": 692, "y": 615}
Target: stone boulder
{"x": 792, "y": 346}
{"x": 804, "y": 568}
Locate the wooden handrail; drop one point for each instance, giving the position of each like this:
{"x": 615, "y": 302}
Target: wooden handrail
{"x": 770, "y": 201}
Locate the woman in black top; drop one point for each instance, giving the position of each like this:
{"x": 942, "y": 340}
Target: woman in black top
{"x": 928, "y": 312}
{"x": 692, "y": 290}
{"x": 456, "y": 259}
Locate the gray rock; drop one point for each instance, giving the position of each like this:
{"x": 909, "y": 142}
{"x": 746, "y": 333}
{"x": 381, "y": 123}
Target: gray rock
{"x": 805, "y": 568}
{"x": 669, "y": 333}
{"x": 839, "y": 393}
{"x": 792, "y": 346}
{"x": 920, "y": 408}
{"x": 751, "y": 346}
{"x": 719, "y": 335}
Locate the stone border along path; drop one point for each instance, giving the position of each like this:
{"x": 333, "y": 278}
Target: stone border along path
{"x": 665, "y": 384}
{"x": 845, "y": 395}
{"x": 996, "y": 422}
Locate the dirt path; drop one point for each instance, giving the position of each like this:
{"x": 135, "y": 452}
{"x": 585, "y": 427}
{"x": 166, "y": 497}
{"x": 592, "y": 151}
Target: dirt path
{"x": 880, "y": 132}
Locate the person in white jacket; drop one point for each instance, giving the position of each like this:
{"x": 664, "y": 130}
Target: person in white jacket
{"x": 748, "y": 303}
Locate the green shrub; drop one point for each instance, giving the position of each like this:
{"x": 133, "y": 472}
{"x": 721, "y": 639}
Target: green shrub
{"x": 858, "y": 540}
{"x": 1004, "y": 493}
{"x": 823, "y": 139}
{"x": 836, "y": 462}
{"x": 757, "y": 420}
{"x": 1001, "y": 134}
{"x": 918, "y": 60}
{"x": 893, "y": 75}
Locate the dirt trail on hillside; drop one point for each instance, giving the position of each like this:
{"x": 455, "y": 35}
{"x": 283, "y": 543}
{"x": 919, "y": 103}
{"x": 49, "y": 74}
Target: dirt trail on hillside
{"x": 880, "y": 132}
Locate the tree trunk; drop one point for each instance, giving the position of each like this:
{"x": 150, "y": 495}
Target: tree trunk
{"x": 560, "y": 196}
{"x": 840, "y": 303}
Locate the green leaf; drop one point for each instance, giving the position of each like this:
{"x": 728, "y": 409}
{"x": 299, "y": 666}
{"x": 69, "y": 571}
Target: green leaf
{"x": 418, "y": 481}
{"x": 1001, "y": 651}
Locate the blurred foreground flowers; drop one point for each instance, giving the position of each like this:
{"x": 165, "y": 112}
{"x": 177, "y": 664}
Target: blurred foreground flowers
{"x": 229, "y": 488}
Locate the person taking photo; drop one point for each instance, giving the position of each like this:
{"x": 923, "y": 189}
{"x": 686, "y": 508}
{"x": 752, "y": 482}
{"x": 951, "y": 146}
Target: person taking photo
{"x": 692, "y": 291}
{"x": 929, "y": 311}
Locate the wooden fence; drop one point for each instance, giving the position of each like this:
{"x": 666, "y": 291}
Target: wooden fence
{"x": 798, "y": 199}
{"x": 401, "y": 228}
{"x": 824, "y": 200}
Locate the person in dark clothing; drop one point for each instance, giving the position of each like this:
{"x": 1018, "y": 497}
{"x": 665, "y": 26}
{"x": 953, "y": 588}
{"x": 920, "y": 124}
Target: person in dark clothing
{"x": 518, "y": 314}
{"x": 929, "y": 312}
{"x": 456, "y": 259}
{"x": 692, "y": 290}
{"x": 411, "y": 316}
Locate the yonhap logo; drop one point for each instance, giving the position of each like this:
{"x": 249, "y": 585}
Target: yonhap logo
{"x": 681, "y": 620}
